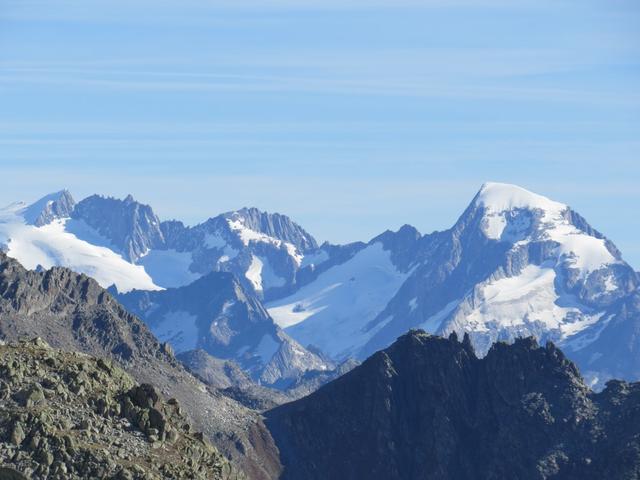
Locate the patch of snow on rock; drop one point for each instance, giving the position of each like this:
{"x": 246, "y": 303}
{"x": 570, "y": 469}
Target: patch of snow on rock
{"x": 179, "y": 329}
{"x": 525, "y": 298}
{"x": 254, "y": 272}
{"x": 261, "y": 274}
{"x": 247, "y": 236}
{"x": 169, "y": 268}
{"x": 267, "y": 348}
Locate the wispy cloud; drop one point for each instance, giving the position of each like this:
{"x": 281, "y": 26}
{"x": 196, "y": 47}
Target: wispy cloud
{"x": 425, "y": 62}
{"x": 199, "y": 12}
{"x": 225, "y": 83}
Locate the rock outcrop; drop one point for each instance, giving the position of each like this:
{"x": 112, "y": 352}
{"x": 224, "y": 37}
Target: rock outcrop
{"x": 428, "y": 408}
{"x": 67, "y": 415}
{"x": 132, "y": 227}
{"x": 47, "y": 209}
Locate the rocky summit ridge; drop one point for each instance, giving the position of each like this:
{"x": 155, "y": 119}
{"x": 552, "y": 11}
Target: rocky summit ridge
{"x": 428, "y": 408}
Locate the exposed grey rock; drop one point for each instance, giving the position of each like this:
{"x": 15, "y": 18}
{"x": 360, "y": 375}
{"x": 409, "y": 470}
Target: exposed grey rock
{"x": 132, "y": 227}
{"x": 49, "y": 208}
{"x": 102, "y": 445}
{"x": 313, "y": 380}
{"x": 214, "y": 371}
{"x": 615, "y": 352}
{"x": 275, "y": 225}
{"x": 231, "y": 241}
{"x": 229, "y": 323}
{"x": 232, "y": 380}
{"x": 229, "y": 377}
{"x": 447, "y": 272}
{"x": 450, "y": 269}
{"x": 427, "y": 407}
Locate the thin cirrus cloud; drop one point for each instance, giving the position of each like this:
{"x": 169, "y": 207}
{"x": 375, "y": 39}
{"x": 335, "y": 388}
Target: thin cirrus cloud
{"x": 111, "y": 10}
{"x": 426, "y": 62}
{"x": 207, "y": 82}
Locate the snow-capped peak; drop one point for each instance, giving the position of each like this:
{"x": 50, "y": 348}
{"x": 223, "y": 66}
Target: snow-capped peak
{"x": 512, "y": 214}
{"x": 271, "y": 225}
{"x": 248, "y": 235}
{"x": 518, "y": 216}
{"x": 45, "y": 210}
{"x": 501, "y": 197}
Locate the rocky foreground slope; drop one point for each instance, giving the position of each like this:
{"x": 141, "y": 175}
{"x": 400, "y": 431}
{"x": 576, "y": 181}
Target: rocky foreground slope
{"x": 67, "y": 415}
{"x": 428, "y": 408}
{"x": 72, "y": 312}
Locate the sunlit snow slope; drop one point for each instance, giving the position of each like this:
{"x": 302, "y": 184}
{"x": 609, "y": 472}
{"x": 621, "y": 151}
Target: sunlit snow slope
{"x": 69, "y": 243}
{"x": 332, "y": 312}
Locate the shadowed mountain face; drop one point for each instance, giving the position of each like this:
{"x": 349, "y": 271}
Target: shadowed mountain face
{"x": 72, "y": 312}
{"x": 428, "y": 408}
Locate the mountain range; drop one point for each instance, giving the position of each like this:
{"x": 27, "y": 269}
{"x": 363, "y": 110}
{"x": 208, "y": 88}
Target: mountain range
{"x": 257, "y": 289}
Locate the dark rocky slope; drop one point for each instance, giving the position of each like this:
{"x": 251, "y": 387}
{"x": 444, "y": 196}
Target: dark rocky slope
{"x": 72, "y": 312}
{"x": 66, "y": 415}
{"x": 428, "y": 408}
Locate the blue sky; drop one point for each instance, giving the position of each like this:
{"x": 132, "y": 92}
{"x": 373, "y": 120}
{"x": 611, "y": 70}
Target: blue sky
{"x": 350, "y": 116}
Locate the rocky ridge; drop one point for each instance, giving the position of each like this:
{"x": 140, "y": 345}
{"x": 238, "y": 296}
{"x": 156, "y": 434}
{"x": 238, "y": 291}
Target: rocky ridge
{"x": 514, "y": 264}
{"x": 131, "y": 227}
{"x": 428, "y": 408}
{"x": 52, "y": 207}
{"x": 232, "y": 381}
{"x": 72, "y": 312}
